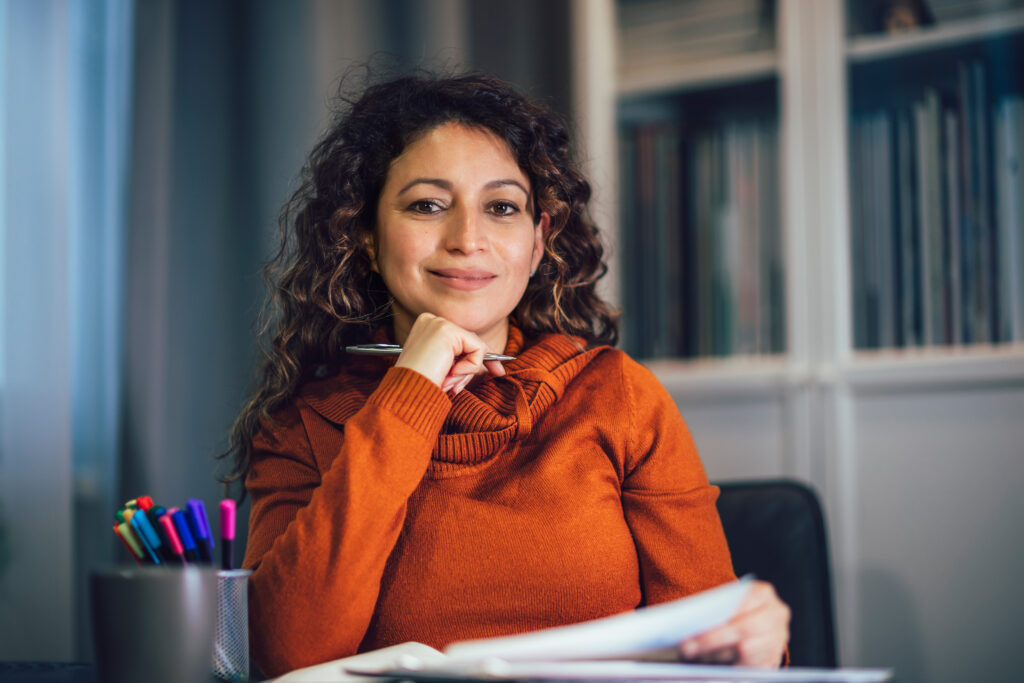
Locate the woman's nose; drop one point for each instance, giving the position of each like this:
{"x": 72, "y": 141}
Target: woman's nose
{"x": 464, "y": 232}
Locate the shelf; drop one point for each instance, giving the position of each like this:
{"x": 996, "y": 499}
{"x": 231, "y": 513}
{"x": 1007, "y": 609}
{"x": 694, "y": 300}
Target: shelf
{"x": 685, "y": 76}
{"x": 742, "y": 378}
{"x": 936, "y": 369}
{"x": 871, "y": 48}
{"x": 866, "y": 372}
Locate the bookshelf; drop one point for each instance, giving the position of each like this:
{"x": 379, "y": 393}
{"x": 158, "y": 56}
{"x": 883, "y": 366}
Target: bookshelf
{"x": 895, "y": 436}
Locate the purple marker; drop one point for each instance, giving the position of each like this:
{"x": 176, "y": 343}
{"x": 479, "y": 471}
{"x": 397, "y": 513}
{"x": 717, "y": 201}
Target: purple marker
{"x": 200, "y": 527}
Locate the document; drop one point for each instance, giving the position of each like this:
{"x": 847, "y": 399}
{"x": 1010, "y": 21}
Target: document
{"x": 623, "y": 647}
{"x": 642, "y": 633}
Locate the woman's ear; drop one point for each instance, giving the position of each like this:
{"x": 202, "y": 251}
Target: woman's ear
{"x": 540, "y": 231}
{"x": 370, "y": 248}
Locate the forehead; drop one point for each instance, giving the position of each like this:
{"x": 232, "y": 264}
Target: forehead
{"x": 451, "y": 150}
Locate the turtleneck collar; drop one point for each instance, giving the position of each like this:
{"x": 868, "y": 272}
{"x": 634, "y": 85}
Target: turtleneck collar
{"x": 485, "y": 418}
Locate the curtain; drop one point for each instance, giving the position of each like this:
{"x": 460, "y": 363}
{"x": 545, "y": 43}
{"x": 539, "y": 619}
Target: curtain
{"x": 65, "y": 87}
{"x": 145, "y": 148}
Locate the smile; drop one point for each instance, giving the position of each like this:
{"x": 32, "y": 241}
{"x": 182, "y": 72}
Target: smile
{"x": 458, "y": 278}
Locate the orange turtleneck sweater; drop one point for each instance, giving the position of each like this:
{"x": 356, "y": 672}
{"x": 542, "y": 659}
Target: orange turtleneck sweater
{"x": 384, "y": 511}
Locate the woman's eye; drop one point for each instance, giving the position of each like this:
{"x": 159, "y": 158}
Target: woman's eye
{"x": 425, "y": 206}
{"x": 504, "y": 208}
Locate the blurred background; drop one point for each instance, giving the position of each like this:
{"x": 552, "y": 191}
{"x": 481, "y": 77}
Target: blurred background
{"x": 813, "y": 210}
{"x": 147, "y": 148}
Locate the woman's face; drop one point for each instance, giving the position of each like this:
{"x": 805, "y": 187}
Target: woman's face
{"x": 455, "y": 236}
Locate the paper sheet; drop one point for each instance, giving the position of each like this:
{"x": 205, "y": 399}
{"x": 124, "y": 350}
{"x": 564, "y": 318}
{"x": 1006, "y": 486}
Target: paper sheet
{"x": 498, "y": 670}
{"x": 622, "y": 636}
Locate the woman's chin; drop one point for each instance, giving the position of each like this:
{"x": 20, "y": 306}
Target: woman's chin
{"x": 489, "y": 329}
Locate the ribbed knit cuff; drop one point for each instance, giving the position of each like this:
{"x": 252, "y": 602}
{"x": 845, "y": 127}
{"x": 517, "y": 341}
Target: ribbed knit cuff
{"x": 412, "y": 398}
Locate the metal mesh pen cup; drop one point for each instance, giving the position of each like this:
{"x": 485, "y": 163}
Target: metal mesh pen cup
{"x": 231, "y": 634}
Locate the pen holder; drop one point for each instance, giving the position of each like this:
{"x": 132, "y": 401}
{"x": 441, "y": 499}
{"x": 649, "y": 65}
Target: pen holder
{"x": 231, "y": 632}
{"x": 153, "y": 624}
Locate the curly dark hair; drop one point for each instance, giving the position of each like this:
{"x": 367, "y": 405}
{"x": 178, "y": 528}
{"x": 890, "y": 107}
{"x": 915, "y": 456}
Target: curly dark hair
{"x": 323, "y": 293}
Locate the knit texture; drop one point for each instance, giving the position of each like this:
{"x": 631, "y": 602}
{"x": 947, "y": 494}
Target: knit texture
{"x": 384, "y": 511}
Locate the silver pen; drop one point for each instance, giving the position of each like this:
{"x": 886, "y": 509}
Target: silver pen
{"x": 395, "y": 349}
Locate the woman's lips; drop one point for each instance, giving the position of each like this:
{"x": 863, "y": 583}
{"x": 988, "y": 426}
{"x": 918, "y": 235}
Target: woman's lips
{"x": 464, "y": 279}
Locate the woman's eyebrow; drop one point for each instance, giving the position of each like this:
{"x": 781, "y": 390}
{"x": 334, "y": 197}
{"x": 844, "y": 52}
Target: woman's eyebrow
{"x": 449, "y": 187}
{"x": 439, "y": 182}
{"x": 501, "y": 183}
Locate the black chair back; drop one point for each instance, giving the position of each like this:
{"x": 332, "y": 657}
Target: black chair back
{"x": 776, "y": 531}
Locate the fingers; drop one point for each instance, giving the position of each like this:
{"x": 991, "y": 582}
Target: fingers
{"x": 756, "y": 636}
{"x": 445, "y": 353}
{"x": 495, "y": 368}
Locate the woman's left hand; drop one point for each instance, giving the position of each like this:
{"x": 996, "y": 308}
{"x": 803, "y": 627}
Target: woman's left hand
{"x": 756, "y": 636}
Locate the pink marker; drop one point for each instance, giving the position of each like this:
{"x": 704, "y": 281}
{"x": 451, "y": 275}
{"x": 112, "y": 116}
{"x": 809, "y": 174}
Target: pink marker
{"x": 172, "y": 536}
{"x": 227, "y": 533}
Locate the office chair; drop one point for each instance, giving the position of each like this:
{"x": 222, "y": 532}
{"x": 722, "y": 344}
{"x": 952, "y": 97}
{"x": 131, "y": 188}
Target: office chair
{"x": 776, "y": 531}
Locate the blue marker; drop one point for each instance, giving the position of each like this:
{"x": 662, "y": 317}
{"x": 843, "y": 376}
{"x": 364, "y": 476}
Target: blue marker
{"x": 146, "y": 535}
{"x": 200, "y": 527}
{"x": 185, "y": 534}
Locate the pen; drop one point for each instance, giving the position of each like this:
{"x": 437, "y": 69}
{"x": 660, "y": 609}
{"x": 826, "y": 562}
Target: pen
{"x": 395, "y": 349}
{"x": 136, "y": 553}
{"x": 204, "y": 539}
{"x": 128, "y": 534}
{"x": 189, "y": 543}
{"x": 172, "y": 537}
{"x": 227, "y": 533}
{"x": 139, "y": 524}
{"x": 153, "y": 513}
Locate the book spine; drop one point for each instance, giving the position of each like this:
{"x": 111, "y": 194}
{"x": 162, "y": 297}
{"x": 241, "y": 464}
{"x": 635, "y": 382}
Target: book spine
{"x": 883, "y": 242}
{"x": 906, "y": 189}
{"x": 1008, "y": 129}
{"x": 951, "y": 228}
{"x": 925, "y": 219}
{"x": 983, "y": 274}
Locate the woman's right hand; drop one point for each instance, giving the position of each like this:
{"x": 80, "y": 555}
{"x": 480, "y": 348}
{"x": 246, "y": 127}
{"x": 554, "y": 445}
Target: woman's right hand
{"x": 445, "y": 353}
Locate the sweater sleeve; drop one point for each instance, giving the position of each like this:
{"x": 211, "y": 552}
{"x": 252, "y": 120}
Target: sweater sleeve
{"x": 667, "y": 500}
{"x": 319, "y": 541}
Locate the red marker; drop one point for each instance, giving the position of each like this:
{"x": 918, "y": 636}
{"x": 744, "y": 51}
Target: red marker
{"x": 227, "y": 534}
{"x": 144, "y": 503}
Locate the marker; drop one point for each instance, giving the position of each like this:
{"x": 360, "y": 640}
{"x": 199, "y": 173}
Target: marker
{"x": 144, "y": 503}
{"x": 150, "y": 541}
{"x": 136, "y": 526}
{"x": 189, "y": 543}
{"x": 152, "y": 514}
{"x": 204, "y": 539}
{"x": 128, "y": 534}
{"x": 135, "y": 555}
{"x": 167, "y": 524}
{"x": 166, "y": 551}
{"x": 227, "y": 534}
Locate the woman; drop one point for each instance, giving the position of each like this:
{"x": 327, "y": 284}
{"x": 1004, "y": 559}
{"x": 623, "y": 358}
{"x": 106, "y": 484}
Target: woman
{"x": 442, "y": 496}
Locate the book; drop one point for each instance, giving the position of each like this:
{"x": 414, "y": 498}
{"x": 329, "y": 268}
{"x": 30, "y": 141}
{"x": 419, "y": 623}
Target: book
{"x": 1008, "y": 127}
{"x": 612, "y": 648}
{"x": 906, "y": 191}
{"x": 982, "y": 206}
{"x": 951, "y": 228}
